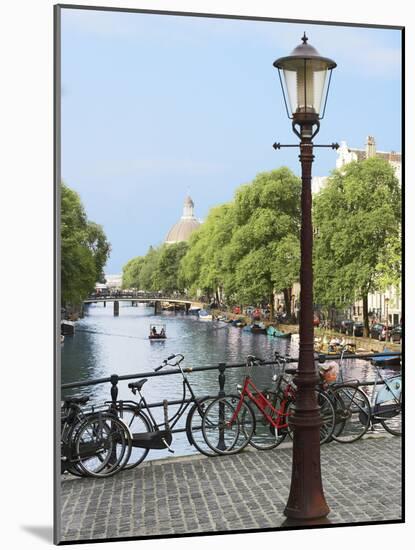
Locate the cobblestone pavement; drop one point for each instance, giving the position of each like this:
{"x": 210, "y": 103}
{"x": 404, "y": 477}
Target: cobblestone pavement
{"x": 362, "y": 482}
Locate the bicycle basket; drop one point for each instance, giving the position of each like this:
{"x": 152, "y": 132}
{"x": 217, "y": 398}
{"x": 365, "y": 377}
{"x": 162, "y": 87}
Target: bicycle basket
{"x": 329, "y": 371}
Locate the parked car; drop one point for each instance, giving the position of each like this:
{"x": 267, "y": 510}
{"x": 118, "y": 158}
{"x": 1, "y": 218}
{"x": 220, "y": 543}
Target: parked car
{"x": 380, "y": 332}
{"x": 357, "y": 328}
{"x": 396, "y": 333}
{"x": 346, "y": 326}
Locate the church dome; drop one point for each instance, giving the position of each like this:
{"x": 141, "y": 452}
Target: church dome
{"x": 182, "y": 230}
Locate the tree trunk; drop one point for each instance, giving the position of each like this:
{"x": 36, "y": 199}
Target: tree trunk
{"x": 271, "y": 306}
{"x": 287, "y": 300}
{"x": 365, "y": 316}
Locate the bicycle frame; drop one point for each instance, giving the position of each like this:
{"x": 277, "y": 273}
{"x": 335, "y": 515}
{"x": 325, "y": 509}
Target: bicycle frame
{"x": 390, "y": 391}
{"x": 263, "y": 404}
{"x": 166, "y": 428}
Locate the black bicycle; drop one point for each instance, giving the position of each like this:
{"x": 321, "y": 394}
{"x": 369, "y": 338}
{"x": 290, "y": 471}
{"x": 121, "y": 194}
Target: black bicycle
{"x": 147, "y": 433}
{"x": 94, "y": 442}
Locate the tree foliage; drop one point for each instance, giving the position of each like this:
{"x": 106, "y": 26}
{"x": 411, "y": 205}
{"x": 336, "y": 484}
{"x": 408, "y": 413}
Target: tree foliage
{"x": 239, "y": 246}
{"x": 268, "y": 217}
{"x": 203, "y": 267}
{"x": 131, "y": 273}
{"x": 84, "y": 249}
{"x": 159, "y": 269}
{"x": 357, "y": 217}
{"x": 168, "y": 276}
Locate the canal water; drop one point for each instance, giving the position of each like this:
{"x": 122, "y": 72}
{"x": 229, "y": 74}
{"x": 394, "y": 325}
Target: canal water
{"x": 105, "y": 345}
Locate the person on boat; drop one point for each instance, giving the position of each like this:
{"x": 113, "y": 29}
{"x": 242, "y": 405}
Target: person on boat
{"x": 162, "y": 333}
{"x": 154, "y": 331}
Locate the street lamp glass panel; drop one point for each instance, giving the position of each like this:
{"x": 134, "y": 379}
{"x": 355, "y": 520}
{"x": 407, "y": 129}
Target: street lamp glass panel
{"x": 305, "y": 82}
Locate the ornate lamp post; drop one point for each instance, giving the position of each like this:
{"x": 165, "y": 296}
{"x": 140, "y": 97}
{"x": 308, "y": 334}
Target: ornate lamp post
{"x": 307, "y": 79}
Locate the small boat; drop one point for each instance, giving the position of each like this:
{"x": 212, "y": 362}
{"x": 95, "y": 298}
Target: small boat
{"x": 194, "y": 310}
{"x": 204, "y": 315}
{"x": 222, "y": 318}
{"x": 272, "y": 331}
{"x": 67, "y": 327}
{"x": 258, "y": 328}
{"x": 157, "y": 332}
{"x": 283, "y": 335}
{"x": 387, "y": 360}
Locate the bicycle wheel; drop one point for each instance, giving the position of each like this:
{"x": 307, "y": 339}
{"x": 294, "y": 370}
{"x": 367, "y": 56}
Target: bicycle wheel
{"x": 265, "y": 436}
{"x": 103, "y": 445}
{"x": 352, "y": 409}
{"x": 391, "y": 417}
{"x": 326, "y": 412}
{"x": 69, "y": 462}
{"x": 194, "y": 426}
{"x": 137, "y": 423}
{"x": 224, "y": 432}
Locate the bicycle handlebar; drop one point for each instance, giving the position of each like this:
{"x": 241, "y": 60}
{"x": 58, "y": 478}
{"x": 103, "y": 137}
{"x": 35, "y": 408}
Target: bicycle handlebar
{"x": 169, "y": 358}
{"x": 251, "y": 359}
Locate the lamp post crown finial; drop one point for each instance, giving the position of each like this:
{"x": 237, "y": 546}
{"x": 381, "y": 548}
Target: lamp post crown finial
{"x": 304, "y": 38}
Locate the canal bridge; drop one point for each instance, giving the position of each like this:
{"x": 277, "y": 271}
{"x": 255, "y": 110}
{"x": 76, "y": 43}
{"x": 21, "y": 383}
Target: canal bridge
{"x": 137, "y": 297}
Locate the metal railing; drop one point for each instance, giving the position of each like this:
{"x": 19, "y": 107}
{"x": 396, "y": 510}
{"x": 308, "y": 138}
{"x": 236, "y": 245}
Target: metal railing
{"x": 114, "y": 379}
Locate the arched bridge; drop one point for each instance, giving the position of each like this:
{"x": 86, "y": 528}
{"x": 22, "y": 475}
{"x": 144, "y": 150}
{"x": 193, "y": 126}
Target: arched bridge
{"x": 141, "y": 297}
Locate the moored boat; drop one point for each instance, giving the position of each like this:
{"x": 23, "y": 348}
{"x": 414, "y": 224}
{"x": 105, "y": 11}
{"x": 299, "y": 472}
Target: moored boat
{"x": 204, "y": 315}
{"x": 272, "y": 331}
{"x": 258, "y": 328}
{"x": 67, "y": 327}
{"x": 387, "y": 360}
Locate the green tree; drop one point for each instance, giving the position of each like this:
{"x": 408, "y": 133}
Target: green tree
{"x": 167, "y": 276}
{"x": 203, "y": 267}
{"x": 131, "y": 273}
{"x": 267, "y": 223}
{"x": 100, "y": 247}
{"x": 149, "y": 268}
{"x": 357, "y": 217}
{"x": 84, "y": 249}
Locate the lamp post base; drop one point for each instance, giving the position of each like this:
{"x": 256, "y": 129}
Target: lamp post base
{"x": 306, "y": 500}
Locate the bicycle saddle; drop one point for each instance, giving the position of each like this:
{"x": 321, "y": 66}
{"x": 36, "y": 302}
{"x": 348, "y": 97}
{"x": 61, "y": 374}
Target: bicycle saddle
{"x": 137, "y": 385}
{"x": 76, "y": 400}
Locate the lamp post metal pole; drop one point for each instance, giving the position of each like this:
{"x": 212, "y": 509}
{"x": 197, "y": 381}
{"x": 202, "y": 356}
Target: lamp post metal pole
{"x": 306, "y": 500}
{"x": 305, "y": 72}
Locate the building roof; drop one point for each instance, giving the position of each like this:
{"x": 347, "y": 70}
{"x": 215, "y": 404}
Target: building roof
{"x": 188, "y": 223}
{"x": 391, "y": 157}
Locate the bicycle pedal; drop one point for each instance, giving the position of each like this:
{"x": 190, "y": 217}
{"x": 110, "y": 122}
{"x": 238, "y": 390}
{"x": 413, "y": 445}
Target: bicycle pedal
{"x": 168, "y": 446}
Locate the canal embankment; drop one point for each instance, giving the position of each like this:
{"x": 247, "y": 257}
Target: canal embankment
{"x": 361, "y": 342}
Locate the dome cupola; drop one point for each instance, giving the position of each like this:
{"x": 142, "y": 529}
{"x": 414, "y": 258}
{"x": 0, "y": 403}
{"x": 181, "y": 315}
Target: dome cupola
{"x": 182, "y": 230}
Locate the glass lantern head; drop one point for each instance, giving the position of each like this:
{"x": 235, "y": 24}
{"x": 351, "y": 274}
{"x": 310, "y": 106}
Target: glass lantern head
{"x": 306, "y": 80}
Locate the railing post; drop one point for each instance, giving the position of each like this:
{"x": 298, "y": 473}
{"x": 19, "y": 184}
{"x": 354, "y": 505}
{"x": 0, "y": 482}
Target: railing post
{"x": 114, "y": 388}
{"x": 116, "y": 308}
{"x": 221, "y": 378}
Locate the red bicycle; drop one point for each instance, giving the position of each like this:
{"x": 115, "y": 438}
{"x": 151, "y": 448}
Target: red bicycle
{"x": 258, "y": 418}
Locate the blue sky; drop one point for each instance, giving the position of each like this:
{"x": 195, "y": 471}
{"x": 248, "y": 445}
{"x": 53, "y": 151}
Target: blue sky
{"x": 154, "y": 107}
